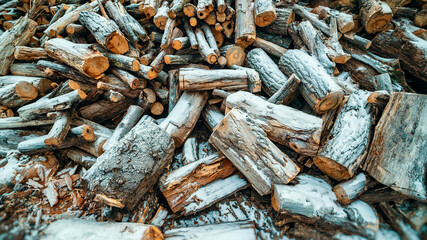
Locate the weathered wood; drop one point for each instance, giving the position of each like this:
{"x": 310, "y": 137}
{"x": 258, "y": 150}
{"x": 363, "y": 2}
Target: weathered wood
{"x": 234, "y": 54}
{"x": 265, "y": 13}
{"x": 349, "y": 190}
{"x": 282, "y": 124}
{"x": 358, "y": 41}
{"x": 312, "y": 201}
{"x": 228, "y": 28}
{"x": 79, "y": 157}
{"x": 19, "y": 35}
{"x": 183, "y": 118}
{"x": 129, "y": 183}
{"x": 180, "y": 43}
{"x": 244, "y": 143}
{"x": 176, "y": 7}
{"x": 29, "y": 54}
{"x": 205, "y": 50}
{"x": 344, "y": 20}
{"x": 181, "y": 186}
{"x": 379, "y": 98}
{"x": 394, "y": 139}
{"x": 191, "y": 36}
{"x": 59, "y": 71}
{"x": 167, "y": 34}
{"x": 147, "y": 58}
{"x": 174, "y": 92}
{"x": 82, "y": 228}
{"x": 235, "y": 230}
{"x": 59, "y": 130}
{"x": 104, "y": 110}
{"x": 189, "y": 10}
{"x": 82, "y": 57}
{"x": 26, "y": 69}
{"x": 272, "y": 78}
{"x": 287, "y": 93}
{"x": 201, "y": 80}
{"x": 150, "y": 8}
{"x": 17, "y": 94}
{"x": 335, "y": 50}
{"x": 375, "y": 15}
{"x": 210, "y": 38}
{"x": 347, "y": 144}
{"x": 317, "y": 87}
{"x": 125, "y": 91}
{"x": 245, "y": 32}
{"x": 182, "y": 59}
{"x": 189, "y": 151}
{"x": 212, "y": 116}
{"x": 18, "y": 122}
{"x": 128, "y": 78}
{"x": 269, "y": 47}
{"x": 204, "y": 7}
{"x": 313, "y": 18}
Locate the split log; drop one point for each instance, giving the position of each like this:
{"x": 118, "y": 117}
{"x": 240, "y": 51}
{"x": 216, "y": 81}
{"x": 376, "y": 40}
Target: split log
{"x": 376, "y": 15}
{"x": 272, "y": 78}
{"x": 282, "y": 124}
{"x": 145, "y": 72}
{"x": 234, "y": 54}
{"x": 130, "y": 119}
{"x": 269, "y": 47}
{"x": 204, "y": 49}
{"x": 235, "y": 230}
{"x": 127, "y": 24}
{"x": 62, "y": 102}
{"x": 348, "y": 142}
{"x": 183, "y": 118}
{"x": 317, "y": 87}
{"x": 407, "y": 177}
{"x": 210, "y": 19}
{"x": 265, "y": 13}
{"x": 212, "y": 116}
{"x": 312, "y": 201}
{"x": 287, "y": 93}
{"x": 200, "y": 80}
{"x": 19, "y": 35}
{"x": 245, "y": 23}
{"x": 181, "y": 186}
{"x": 59, "y": 26}
{"x": 59, "y": 130}
{"x": 243, "y": 142}
{"x": 18, "y": 94}
{"x": 80, "y": 56}
{"x": 26, "y": 69}
{"x": 127, "y": 184}
{"x": 189, "y": 151}
{"x": 81, "y": 228}
{"x": 104, "y": 32}
{"x": 349, "y": 190}
{"x": 29, "y": 54}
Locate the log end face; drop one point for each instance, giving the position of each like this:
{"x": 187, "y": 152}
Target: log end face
{"x": 152, "y": 233}
{"x": 341, "y": 195}
{"x": 117, "y": 43}
{"x": 332, "y": 168}
{"x": 152, "y": 74}
{"x": 94, "y": 67}
{"x": 88, "y": 133}
{"x": 26, "y": 91}
{"x": 135, "y": 66}
{"x": 265, "y": 19}
{"x": 275, "y": 201}
{"x": 235, "y": 55}
{"x": 330, "y": 101}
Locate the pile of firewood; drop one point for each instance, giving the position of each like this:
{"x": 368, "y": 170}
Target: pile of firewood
{"x": 192, "y": 119}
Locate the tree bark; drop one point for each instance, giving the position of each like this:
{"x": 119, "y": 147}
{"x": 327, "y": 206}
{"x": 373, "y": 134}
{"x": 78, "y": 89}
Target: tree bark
{"x": 26, "y": 69}
{"x": 212, "y": 116}
{"x": 349, "y": 190}
{"x": 248, "y": 148}
{"x": 245, "y": 23}
{"x": 287, "y": 93}
{"x": 269, "y": 47}
{"x": 205, "y": 50}
{"x": 394, "y": 140}
{"x": 17, "y": 94}
{"x": 104, "y": 110}
{"x": 317, "y": 87}
{"x": 29, "y": 54}
{"x": 265, "y": 12}
{"x": 59, "y": 130}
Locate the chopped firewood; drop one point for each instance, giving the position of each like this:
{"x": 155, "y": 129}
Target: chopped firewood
{"x": 347, "y": 191}
{"x": 235, "y": 230}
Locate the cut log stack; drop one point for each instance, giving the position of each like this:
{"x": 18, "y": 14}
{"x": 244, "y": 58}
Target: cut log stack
{"x": 257, "y": 117}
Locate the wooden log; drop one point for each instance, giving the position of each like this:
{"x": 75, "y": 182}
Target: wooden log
{"x": 79, "y": 157}
{"x": 76, "y": 29}
{"x": 113, "y": 96}
{"x": 288, "y": 122}
{"x": 287, "y": 93}
{"x": 252, "y": 145}
{"x": 201, "y": 80}
{"x": 204, "y": 49}
{"x": 265, "y": 13}
{"x": 59, "y": 71}
{"x": 127, "y": 24}
{"x": 104, "y": 110}
{"x": 122, "y": 184}
{"x": 147, "y": 58}
{"x": 174, "y": 92}
{"x": 245, "y": 23}
{"x": 19, "y": 35}
{"x": 59, "y": 26}
{"x": 312, "y": 201}
{"x": 420, "y": 18}
{"x": 167, "y": 34}
{"x": 180, "y": 43}
{"x": 210, "y": 19}
{"x": 345, "y": 21}
{"x": 26, "y": 69}
{"x": 18, "y": 122}
{"x": 125, "y": 91}
{"x": 210, "y": 38}
{"x": 406, "y": 177}
{"x": 150, "y": 8}
{"x": 59, "y": 130}
{"x": 347, "y": 143}
{"x": 18, "y": 94}
{"x": 190, "y": 10}
{"x": 176, "y": 7}
{"x": 189, "y": 151}
{"x": 346, "y": 192}
{"x": 145, "y": 72}
{"x": 182, "y": 59}
{"x": 235, "y": 230}
{"x": 269, "y": 47}
{"x": 321, "y": 92}
{"x": 234, "y": 54}
{"x": 228, "y": 27}
{"x": 379, "y": 99}
{"x": 10, "y": 138}
{"x": 191, "y": 36}
{"x": 66, "y": 101}
{"x": 270, "y": 74}
{"x": 104, "y": 32}
{"x": 335, "y": 51}
{"x": 82, "y": 228}
{"x": 182, "y": 119}
{"x": 212, "y": 116}
{"x": 404, "y": 45}
{"x": 29, "y": 54}
{"x": 128, "y": 78}
{"x": 313, "y": 18}
{"x": 80, "y": 56}
{"x": 157, "y": 108}
{"x": 358, "y": 41}
{"x": 375, "y": 15}
{"x": 158, "y": 63}
{"x": 131, "y": 117}
{"x": 181, "y": 186}
{"x": 204, "y": 7}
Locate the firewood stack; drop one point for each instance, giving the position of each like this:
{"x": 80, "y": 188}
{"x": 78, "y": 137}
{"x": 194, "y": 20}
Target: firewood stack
{"x": 187, "y": 119}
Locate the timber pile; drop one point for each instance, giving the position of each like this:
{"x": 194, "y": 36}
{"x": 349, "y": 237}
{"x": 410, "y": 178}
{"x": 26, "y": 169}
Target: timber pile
{"x": 217, "y": 119}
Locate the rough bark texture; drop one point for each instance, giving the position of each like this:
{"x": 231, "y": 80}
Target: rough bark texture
{"x": 265, "y": 12}
{"x": 245, "y": 32}
{"x": 401, "y": 134}
{"x": 347, "y": 144}
{"x": 317, "y": 87}
{"x": 130, "y": 168}
{"x": 282, "y": 124}
{"x": 347, "y": 191}
{"x": 284, "y": 17}
{"x": 269, "y": 47}
{"x": 287, "y": 93}
{"x": 242, "y": 141}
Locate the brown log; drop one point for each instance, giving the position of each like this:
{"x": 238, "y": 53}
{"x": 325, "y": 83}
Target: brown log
{"x": 245, "y": 23}
{"x": 128, "y": 78}
{"x": 150, "y": 8}
{"x": 167, "y": 35}
{"x": 147, "y": 58}
{"x": 269, "y": 47}
{"x": 104, "y": 110}
{"x": 157, "y": 108}
{"x": 76, "y": 29}
{"x": 210, "y": 38}
{"x": 59, "y": 130}
{"x": 29, "y": 54}
{"x": 287, "y": 93}
{"x": 59, "y": 71}
{"x": 210, "y": 19}
{"x": 321, "y": 92}
{"x": 176, "y": 7}
{"x": 265, "y": 13}
{"x": 125, "y": 91}
{"x": 228, "y": 27}
{"x": 26, "y": 69}
{"x": 406, "y": 177}
{"x": 182, "y": 59}
{"x": 379, "y": 98}
{"x": 234, "y": 54}
{"x": 174, "y": 92}
{"x": 204, "y": 7}
{"x": 376, "y": 15}
{"x": 181, "y": 42}
{"x": 191, "y": 36}
{"x": 346, "y": 192}
{"x": 80, "y": 56}
{"x": 17, "y": 94}
{"x": 189, "y": 10}
{"x": 161, "y": 17}
{"x": 244, "y": 143}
